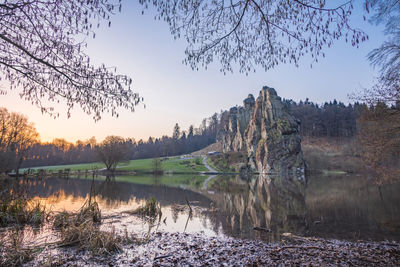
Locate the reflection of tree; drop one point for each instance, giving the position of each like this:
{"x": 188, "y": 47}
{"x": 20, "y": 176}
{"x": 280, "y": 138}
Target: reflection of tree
{"x": 175, "y": 214}
{"x": 109, "y": 191}
{"x": 112, "y": 190}
{"x": 156, "y": 179}
{"x": 157, "y": 166}
{"x": 351, "y": 207}
{"x": 189, "y": 217}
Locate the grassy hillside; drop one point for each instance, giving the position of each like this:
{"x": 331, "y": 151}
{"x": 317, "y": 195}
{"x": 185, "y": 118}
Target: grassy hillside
{"x": 172, "y": 164}
{"x": 332, "y": 155}
{"x": 227, "y": 162}
{"x": 72, "y": 167}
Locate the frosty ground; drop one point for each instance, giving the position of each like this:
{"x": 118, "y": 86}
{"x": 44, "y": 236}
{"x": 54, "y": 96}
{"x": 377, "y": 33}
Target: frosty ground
{"x": 181, "y": 249}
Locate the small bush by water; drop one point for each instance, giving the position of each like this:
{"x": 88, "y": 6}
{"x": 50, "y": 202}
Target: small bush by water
{"x": 87, "y": 235}
{"x": 88, "y": 213}
{"x": 151, "y": 209}
{"x": 19, "y": 210}
{"x": 82, "y": 229}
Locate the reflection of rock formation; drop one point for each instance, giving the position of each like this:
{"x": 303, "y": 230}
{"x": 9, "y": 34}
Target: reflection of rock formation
{"x": 276, "y": 203}
{"x": 266, "y": 130}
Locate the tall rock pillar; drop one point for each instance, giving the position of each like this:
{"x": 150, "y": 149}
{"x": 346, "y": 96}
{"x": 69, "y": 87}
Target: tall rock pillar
{"x": 272, "y": 138}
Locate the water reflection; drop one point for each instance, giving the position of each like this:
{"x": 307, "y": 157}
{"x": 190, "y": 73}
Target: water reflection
{"x": 260, "y": 207}
{"x": 341, "y": 207}
{"x": 352, "y": 207}
{"x": 344, "y": 207}
{"x": 110, "y": 192}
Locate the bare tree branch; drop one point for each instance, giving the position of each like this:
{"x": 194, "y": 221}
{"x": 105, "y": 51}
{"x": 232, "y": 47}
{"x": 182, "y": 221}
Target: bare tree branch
{"x": 262, "y": 32}
{"x": 40, "y": 56}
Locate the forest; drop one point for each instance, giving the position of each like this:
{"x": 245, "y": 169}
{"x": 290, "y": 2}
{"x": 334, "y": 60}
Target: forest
{"x": 332, "y": 120}
{"x": 59, "y": 151}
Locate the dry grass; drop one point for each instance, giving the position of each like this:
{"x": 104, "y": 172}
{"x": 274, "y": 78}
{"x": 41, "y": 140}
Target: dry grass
{"x": 63, "y": 219}
{"x": 82, "y": 229}
{"x": 16, "y": 256}
{"x": 333, "y": 155}
{"x": 19, "y": 210}
{"x": 151, "y": 209}
{"x": 12, "y": 253}
{"x": 89, "y": 212}
{"x": 15, "y": 211}
{"x": 88, "y": 236}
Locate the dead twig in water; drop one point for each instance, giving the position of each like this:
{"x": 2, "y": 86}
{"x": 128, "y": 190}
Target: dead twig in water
{"x": 190, "y": 207}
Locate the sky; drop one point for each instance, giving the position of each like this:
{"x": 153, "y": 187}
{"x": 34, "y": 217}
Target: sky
{"x": 144, "y": 49}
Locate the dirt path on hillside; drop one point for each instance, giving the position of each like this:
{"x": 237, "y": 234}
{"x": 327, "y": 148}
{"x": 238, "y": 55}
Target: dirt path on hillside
{"x": 210, "y": 169}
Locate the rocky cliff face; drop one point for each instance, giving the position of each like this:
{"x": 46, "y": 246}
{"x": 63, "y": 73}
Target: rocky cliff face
{"x": 267, "y": 131}
{"x": 233, "y": 138}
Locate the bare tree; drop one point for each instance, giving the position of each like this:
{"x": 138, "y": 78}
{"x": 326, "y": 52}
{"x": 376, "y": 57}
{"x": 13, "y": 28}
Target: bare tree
{"x": 17, "y": 136}
{"x": 113, "y": 150}
{"x": 379, "y": 125}
{"x": 379, "y": 136}
{"x": 40, "y": 54}
{"x": 387, "y": 56}
{"x": 256, "y": 32}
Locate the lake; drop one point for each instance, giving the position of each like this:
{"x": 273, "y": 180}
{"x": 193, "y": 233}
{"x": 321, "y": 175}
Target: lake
{"x": 263, "y": 207}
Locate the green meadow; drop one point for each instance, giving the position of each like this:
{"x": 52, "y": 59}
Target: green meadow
{"x": 171, "y": 164}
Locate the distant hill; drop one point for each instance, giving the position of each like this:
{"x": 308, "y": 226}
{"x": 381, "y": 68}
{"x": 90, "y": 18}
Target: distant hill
{"x": 213, "y": 147}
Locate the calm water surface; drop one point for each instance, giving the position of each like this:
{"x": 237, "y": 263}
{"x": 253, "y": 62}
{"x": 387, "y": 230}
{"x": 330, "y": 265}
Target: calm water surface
{"x": 343, "y": 207}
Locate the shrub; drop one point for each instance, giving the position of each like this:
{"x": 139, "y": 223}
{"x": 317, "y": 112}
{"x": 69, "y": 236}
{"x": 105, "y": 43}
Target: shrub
{"x": 151, "y": 209}
{"x": 87, "y": 235}
{"x": 21, "y": 211}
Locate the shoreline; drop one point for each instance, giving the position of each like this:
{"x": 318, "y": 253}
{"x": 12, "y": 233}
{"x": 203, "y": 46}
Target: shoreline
{"x": 183, "y": 249}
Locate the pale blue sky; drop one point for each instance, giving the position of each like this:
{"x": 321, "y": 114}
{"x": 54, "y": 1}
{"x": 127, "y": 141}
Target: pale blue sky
{"x": 144, "y": 49}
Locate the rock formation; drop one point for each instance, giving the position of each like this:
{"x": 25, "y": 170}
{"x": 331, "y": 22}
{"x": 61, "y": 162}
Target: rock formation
{"x": 267, "y": 132}
{"x": 235, "y": 129}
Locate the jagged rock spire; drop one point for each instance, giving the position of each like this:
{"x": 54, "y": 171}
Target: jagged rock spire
{"x": 267, "y": 131}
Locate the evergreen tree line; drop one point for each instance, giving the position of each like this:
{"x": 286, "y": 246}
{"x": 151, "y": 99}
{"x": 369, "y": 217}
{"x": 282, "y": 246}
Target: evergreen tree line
{"x": 331, "y": 119}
